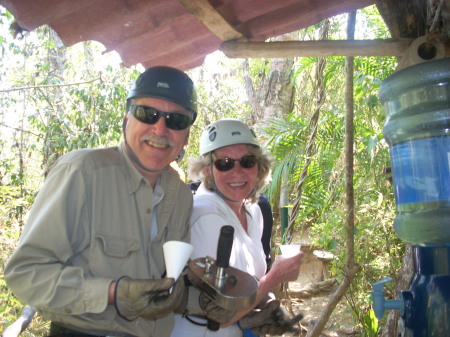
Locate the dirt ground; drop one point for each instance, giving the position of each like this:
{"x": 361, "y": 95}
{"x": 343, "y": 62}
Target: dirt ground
{"x": 310, "y": 293}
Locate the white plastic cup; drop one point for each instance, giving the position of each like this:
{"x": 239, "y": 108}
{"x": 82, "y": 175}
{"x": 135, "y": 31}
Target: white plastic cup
{"x": 176, "y": 255}
{"x": 289, "y": 250}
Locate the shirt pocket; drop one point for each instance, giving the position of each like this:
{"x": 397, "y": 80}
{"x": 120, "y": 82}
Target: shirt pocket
{"x": 114, "y": 256}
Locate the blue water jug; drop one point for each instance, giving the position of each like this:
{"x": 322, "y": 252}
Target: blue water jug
{"x": 417, "y": 128}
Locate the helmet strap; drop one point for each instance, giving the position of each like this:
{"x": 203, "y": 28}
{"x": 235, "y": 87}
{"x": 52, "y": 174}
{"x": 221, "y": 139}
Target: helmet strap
{"x": 180, "y": 155}
{"x": 220, "y": 194}
{"x": 132, "y": 155}
{"x": 136, "y": 160}
{"x": 253, "y": 192}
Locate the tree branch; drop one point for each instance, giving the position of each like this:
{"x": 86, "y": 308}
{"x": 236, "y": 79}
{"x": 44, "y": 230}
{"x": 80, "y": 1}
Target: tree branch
{"x": 334, "y": 300}
{"x": 349, "y": 140}
{"x": 21, "y": 130}
{"x": 52, "y": 85}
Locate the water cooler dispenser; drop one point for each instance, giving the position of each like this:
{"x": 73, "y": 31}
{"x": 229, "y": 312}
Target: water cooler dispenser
{"x": 417, "y": 104}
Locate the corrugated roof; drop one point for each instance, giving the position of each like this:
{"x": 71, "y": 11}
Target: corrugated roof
{"x": 172, "y": 32}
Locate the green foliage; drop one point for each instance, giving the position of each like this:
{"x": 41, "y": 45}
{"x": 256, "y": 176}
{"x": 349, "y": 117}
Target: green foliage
{"x": 322, "y": 208}
{"x": 284, "y": 140}
{"x": 10, "y": 201}
{"x": 370, "y": 324}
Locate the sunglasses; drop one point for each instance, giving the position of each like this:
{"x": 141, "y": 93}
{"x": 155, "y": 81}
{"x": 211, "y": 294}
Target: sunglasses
{"x": 226, "y": 164}
{"x": 149, "y": 115}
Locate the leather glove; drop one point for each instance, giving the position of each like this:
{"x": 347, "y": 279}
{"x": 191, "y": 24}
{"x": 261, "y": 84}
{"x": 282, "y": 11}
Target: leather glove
{"x": 213, "y": 312}
{"x": 269, "y": 318}
{"x": 200, "y": 304}
{"x": 149, "y": 299}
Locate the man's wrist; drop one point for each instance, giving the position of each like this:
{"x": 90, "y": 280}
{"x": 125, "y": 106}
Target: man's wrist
{"x": 112, "y": 286}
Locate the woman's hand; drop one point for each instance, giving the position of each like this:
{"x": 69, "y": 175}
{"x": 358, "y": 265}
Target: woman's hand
{"x": 286, "y": 269}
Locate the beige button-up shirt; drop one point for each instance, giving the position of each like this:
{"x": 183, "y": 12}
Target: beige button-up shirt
{"x": 89, "y": 225}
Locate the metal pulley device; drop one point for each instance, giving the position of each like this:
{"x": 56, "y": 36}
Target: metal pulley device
{"x": 229, "y": 287}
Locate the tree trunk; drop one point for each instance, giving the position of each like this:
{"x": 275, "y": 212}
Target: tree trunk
{"x": 320, "y": 99}
{"x": 275, "y": 96}
{"x": 278, "y": 101}
{"x": 403, "y": 281}
{"x": 57, "y": 58}
{"x": 403, "y": 26}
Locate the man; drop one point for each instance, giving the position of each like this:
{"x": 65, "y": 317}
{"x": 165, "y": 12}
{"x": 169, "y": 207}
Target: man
{"x": 90, "y": 257}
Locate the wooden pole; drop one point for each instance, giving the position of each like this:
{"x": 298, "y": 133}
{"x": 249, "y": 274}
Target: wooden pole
{"x": 280, "y": 49}
{"x": 351, "y": 268}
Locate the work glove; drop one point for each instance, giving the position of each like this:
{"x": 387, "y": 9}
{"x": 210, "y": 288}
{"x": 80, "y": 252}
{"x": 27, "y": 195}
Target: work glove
{"x": 269, "y": 318}
{"x": 198, "y": 303}
{"x": 213, "y": 312}
{"x": 149, "y": 299}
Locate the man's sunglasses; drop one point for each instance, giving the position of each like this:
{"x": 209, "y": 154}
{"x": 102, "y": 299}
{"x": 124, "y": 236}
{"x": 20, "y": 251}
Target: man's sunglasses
{"x": 226, "y": 164}
{"x": 149, "y": 115}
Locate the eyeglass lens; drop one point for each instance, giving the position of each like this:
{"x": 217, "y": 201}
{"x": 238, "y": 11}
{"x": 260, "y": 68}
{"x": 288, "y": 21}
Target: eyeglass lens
{"x": 226, "y": 164}
{"x": 150, "y": 115}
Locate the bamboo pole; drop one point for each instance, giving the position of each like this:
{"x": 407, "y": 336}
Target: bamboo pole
{"x": 280, "y": 49}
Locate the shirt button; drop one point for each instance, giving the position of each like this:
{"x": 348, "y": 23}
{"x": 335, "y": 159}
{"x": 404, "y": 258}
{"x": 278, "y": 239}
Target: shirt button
{"x": 149, "y": 210}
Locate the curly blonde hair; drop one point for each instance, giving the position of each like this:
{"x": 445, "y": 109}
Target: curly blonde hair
{"x": 197, "y": 167}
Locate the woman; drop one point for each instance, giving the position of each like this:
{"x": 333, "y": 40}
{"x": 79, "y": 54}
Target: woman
{"x": 233, "y": 167}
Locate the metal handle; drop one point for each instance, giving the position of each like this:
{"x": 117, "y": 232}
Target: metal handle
{"x": 224, "y": 246}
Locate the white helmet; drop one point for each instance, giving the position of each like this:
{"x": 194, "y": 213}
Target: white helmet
{"x": 224, "y": 132}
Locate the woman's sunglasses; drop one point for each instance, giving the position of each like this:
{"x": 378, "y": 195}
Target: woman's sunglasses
{"x": 149, "y": 115}
{"x": 226, "y": 164}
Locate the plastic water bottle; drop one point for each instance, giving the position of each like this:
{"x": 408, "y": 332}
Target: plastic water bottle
{"x": 417, "y": 104}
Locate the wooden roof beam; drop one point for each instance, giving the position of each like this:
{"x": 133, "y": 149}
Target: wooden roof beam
{"x": 282, "y": 49}
{"x": 212, "y": 19}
